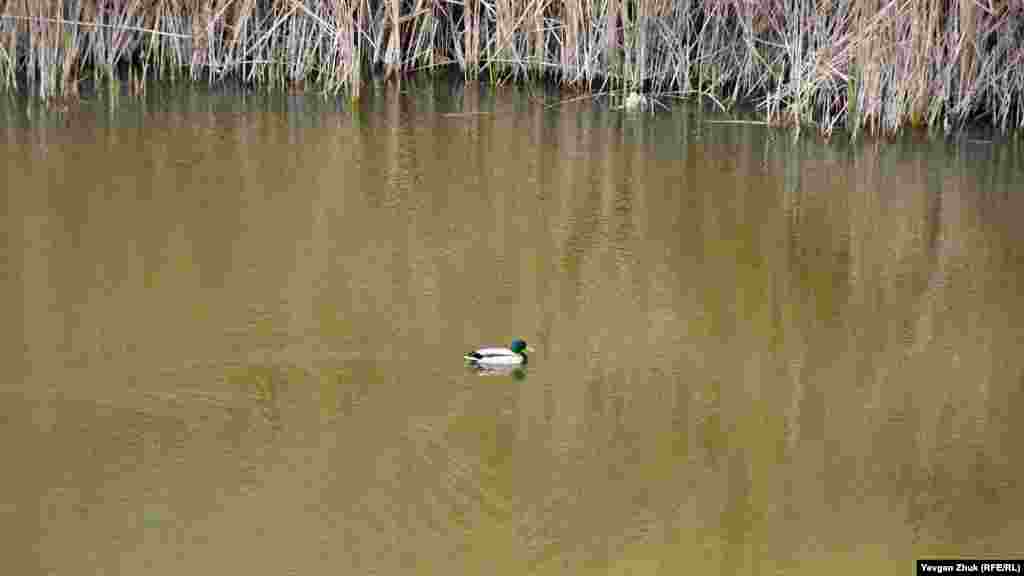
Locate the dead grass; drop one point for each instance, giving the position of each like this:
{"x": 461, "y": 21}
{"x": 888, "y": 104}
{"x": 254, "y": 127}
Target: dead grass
{"x": 860, "y": 65}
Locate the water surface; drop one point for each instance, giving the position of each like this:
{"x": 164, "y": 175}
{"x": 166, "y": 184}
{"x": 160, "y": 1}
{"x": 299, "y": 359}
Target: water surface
{"x": 234, "y": 325}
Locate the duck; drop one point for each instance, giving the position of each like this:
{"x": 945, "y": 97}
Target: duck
{"x": 514, "y": 355}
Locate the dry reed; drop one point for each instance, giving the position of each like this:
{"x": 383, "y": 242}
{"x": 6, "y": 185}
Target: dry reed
{"x": 863, "y": 65}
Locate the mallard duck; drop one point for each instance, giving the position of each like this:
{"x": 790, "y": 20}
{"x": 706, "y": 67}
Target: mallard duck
{"x": 513, "y": 355}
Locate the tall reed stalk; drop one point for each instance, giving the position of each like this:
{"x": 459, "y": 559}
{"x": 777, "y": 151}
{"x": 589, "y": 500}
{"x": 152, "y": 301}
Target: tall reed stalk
{"x": 866, "y": 65}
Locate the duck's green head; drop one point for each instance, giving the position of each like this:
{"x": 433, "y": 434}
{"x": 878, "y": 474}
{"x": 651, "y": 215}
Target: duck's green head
{"x": 519, "y": 346}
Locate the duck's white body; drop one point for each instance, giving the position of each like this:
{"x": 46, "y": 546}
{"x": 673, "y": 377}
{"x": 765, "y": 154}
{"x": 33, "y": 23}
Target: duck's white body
{"x": 496, "y": 357}
{"x": 499, "y": 356}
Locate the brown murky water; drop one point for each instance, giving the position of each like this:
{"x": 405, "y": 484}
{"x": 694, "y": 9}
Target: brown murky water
{"x": 233, "y": 329}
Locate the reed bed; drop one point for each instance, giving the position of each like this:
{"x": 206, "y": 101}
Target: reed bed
{"x": 874, "y": 65}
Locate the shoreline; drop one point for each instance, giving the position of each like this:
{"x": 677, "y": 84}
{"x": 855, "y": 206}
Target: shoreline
{"x": 847, "y": 66}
